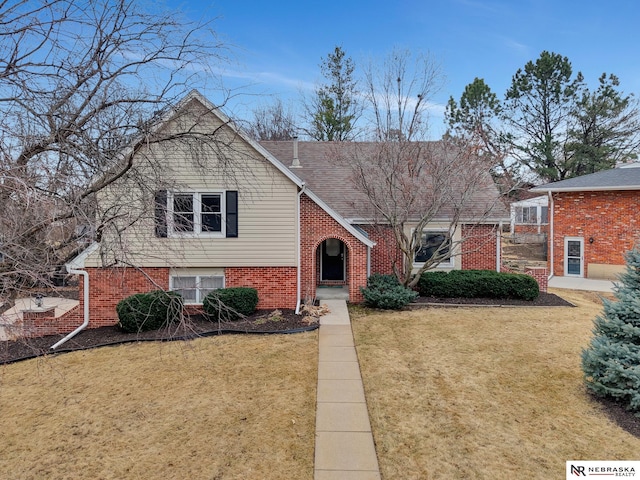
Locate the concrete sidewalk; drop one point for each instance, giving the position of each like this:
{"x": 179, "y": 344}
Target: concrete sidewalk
{"x": 579, "y": 283}
{"x": 344, "y": 442}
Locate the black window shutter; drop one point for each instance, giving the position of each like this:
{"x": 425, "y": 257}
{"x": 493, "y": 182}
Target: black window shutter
{"x": 161, "y": 213}
{"x": 231, "y": 206}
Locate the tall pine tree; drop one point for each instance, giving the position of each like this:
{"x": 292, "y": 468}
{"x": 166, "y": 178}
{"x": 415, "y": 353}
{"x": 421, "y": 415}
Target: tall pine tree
{"x": 611, "y": 363}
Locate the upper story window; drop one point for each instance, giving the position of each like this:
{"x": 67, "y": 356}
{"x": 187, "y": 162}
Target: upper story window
{"x": 212, "y": 214}
{"x": 197, "y": 213}
{"x": 529, "y": 215}
{"x": 434, "y": 244}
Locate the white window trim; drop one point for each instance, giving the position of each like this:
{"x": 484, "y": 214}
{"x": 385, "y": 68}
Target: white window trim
{"x": 197, "y": 276}
{"x": 446, "y": 264}
{"x": 197, "y": 215}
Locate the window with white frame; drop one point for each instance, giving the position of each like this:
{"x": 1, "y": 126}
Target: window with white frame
{"x": 196, "y": 213}
{"x": 194, "y": 288}
{"x": 528, "y": 215}
{"x": 434, "y": 244}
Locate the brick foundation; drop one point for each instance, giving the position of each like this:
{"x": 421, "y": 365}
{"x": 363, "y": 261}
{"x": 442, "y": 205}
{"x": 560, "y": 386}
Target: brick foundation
{"x": 276, "y": 286}
{"x": 107, "y": 286}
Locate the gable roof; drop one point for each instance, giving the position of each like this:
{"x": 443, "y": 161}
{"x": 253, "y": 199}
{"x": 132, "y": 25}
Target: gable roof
{"x": 606, "y": 180}
{"x": 330, "y": 180}
{"x": 269, "y": 157}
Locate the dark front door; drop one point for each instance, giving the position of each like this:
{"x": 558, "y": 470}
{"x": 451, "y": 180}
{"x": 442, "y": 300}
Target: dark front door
{"x": 332, "y": 260}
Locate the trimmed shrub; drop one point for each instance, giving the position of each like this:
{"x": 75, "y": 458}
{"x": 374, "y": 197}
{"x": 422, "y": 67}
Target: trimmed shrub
{"x": 384, "y": 291}
{"x": 478, "y": 284}
{"x": 230, "y": 303}
{"x": 149, "y": 311}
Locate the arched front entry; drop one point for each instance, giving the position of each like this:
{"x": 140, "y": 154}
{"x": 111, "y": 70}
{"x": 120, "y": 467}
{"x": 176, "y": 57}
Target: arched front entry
{"x": 332, "y": 261}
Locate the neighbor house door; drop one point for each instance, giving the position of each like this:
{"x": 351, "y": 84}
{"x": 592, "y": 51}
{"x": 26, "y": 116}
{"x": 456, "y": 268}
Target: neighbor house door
{"x": 332, "y": 260}
{"x": 574, "y": 256}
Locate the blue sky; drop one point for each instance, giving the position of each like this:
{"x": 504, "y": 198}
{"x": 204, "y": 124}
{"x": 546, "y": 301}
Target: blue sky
{"x": 277, "y": 46}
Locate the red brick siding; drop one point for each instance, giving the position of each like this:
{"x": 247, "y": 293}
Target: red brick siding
{"x": 386, "y": 252}
{"x": 276, "y": 286}
{"x": 316, "y": 226}
{"x": 478, "y": 249}
{"x": 39, "y": 324}
{"x": 535, "y": 229}
{"x": 107, "y": 286}
{"x": 541, "y": 276}
{"x": 610, "y": 218}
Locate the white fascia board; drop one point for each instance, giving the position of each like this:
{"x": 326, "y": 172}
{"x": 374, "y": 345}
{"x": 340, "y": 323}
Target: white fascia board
{"x": 78, "y": 262}
{"x": 586, "y": 189}
{"x": 340, "y": 219}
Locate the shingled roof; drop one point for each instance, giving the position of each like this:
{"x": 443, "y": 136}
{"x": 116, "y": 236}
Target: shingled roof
{"x": 624, "y": 178}
{"x": 331, "y": 180}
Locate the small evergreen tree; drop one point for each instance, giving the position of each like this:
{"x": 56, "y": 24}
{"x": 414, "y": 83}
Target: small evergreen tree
{"x": 611, "y": 363}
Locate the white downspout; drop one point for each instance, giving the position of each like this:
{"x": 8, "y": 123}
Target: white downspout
{"x": 86, "y": 307}
{"x": 299, "y": 296}
{"x": 550, "y": 239}
{"x": 499, "y": 248}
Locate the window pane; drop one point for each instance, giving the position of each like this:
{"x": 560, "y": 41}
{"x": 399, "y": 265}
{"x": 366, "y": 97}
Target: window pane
{"x": 183, "y": 213}
{"x": 185, "y": 286}
{"x": 211, "y": 282}
{"x": 211, "y": 222}
{"x": 545, "y": 215}
{"x": 211, "y": 204}
{"x": 184, "y": 282}
{"x": 183, "y": 203}
{"x": 433, "y": 244}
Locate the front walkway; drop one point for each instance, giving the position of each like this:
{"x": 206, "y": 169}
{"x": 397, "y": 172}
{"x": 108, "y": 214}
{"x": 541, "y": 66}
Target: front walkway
{"x": 344, "y": 442}
{"x": 579, "y": 283}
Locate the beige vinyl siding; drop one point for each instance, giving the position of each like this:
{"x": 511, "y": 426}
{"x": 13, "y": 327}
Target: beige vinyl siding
{"x": 267, "y": 205}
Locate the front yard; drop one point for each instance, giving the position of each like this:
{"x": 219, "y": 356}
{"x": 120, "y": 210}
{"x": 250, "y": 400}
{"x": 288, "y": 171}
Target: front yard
{"x": 452, "y": 393}
{"x": 228, "y": 407}
{"x": 483, "y": 393}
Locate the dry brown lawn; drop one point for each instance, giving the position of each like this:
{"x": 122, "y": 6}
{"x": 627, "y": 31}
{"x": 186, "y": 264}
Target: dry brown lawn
{"x": 491, "y": 393}
{"x": 231, "y": 407}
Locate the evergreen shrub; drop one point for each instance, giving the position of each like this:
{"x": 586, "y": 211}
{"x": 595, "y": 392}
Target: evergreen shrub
{"x": 149, "y": 311}
{"x": 611, "y": 362}
{"x": 478, "y": 284}
{"x": 231, "y": 303}
{"x": 385, "y": 292}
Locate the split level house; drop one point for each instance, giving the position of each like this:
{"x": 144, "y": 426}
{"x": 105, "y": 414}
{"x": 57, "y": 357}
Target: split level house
{"x": 281, "y": 217}
{"x": 593, "y": 220}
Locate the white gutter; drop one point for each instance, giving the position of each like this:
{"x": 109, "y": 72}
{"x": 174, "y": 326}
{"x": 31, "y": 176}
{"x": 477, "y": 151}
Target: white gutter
{"x": 298, "y": 288}
{"x": 499, "y": 248}
{"x": 86, "y": 306}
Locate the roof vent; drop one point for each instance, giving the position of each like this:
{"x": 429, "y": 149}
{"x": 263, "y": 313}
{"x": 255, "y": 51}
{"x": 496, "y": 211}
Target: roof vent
{"x": 296, "y": 160}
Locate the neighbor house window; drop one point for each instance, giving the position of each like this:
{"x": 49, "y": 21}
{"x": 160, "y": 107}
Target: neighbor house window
{"x": 527, "y": 214}
{"x": 434, "y": 244}
{"x": 197, "y": 213}
{"x": 194, "y": 288}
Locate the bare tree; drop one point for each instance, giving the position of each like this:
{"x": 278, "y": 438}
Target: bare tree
{"x": 408, "y": 184}
{"x": 398, "y": 90}
{"x": 409, "y": 187}
{"x": 79, "y": 80}
{"x": 273, "y": 122}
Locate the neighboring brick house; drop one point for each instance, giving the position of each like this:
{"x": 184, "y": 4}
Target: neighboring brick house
{"x": 264, "y": 217}
{"x": 594, "y": 220}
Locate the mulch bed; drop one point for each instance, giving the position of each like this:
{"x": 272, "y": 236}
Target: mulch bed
{"x": 193, "y": 327}
{"x": 258, "y": 323}
{"x": 543, "y": 300}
